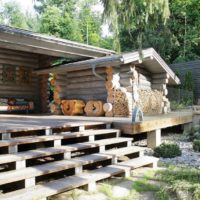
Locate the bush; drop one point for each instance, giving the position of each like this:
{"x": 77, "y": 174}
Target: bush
{"x": 167, "y": 151}
{"x": 193, "y": 134}
{"x": 196, "y": 145}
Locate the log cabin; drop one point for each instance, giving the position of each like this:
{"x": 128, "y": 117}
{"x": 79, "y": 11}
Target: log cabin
{"x": 43, "y": 154}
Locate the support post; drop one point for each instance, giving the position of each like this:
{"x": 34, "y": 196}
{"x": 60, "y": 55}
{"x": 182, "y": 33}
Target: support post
{"x": 81, "y": 128}
{"x": 67, "y": 155}
{"x": 57, "y": 143}
{"x": 78, "y": 170}
{"x": 102, "y": 149}
{"x": 91, "y": 138}
{"x": 13, "y": 149}
{"x": 29, "y": 182}
{"x": 48, "y": 131}
{"x": 91, "y": 186}
{"x": 154, "y": 138}
{"x": 5, "y": 136}
{"x": 20, "y": 164}
{"x": 187, "y": 127}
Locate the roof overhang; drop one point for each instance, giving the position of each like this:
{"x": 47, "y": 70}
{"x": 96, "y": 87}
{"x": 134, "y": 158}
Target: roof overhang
{"x": 149, "y": 58}
{"x": 23, "y": 40}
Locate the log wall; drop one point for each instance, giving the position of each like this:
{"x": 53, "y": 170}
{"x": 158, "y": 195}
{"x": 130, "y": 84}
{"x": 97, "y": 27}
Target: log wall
{"x": 17, "y": 59}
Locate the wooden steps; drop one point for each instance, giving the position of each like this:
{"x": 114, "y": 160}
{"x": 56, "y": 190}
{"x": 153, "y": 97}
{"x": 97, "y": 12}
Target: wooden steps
{"x": 42, "y": 191}
{"x": 77, "y": 163}
{"x": 21, "y": 157}
{"x": 12, "y": 144}
{"x": 36, "y": 167}
{"x": 50, "y": 129}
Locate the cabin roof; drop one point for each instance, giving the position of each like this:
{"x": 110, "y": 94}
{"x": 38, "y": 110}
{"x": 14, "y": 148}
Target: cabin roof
{"x": 148, "y": 59}
{"x": 28, "y": 41}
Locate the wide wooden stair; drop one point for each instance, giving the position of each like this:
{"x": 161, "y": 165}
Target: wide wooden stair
{"x": 37, "y": 164}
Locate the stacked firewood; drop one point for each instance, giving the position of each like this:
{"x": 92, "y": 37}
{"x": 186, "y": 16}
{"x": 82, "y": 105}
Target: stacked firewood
{"x": 159, "y": 82}
{"x": 44, "y": 93}
{"x": 119, "y": 101}
{"x": 150, "y": 101}
{"x": 55, "y": 106}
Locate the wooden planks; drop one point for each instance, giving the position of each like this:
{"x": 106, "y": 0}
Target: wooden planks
{"x": 48, "y": 189}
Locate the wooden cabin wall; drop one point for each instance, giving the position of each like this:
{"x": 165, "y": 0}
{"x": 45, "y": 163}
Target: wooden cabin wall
{"x": 126, "y": 78}
{"x": 82, "y": 85}
{"x": 16, "y": 88}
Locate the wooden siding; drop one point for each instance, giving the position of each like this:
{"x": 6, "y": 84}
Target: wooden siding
{"x": 82, "y": 85}
{"x": 16, "y": 89}
{"x": 194, "y": 67}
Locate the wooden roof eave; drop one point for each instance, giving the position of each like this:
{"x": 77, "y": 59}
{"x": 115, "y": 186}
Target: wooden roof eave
{"x": 149, "y": 56}
{"x": 22, "y": 40}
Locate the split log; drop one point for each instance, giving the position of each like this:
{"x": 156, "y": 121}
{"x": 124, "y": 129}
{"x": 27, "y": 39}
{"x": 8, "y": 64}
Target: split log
{"x": 107, "y": 107}
{"x": 72, "y": 107}
{"x": 94, "y": 108}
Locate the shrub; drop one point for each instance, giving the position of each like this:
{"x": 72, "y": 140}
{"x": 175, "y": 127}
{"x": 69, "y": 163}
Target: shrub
{"x": 196, "y": 145}
{"x": 193, "y": 134}
{"x": 167, "y": 151}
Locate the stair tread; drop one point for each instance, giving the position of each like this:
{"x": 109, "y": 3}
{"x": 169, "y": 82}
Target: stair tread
{"x": 138, "y": 162}
{"x": 29, "y": 172}
{"x": 7, "y": 158}
{"x": 110, "y": 141}
{"x": 122, "y": 151}
{"x": 54, "y": 187}
{"x": 34, "y": 139}
{"x": 68, "y": 124}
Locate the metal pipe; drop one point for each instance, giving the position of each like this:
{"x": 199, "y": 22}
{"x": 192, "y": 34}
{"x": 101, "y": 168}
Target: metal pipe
{"x": 95, "y": 74}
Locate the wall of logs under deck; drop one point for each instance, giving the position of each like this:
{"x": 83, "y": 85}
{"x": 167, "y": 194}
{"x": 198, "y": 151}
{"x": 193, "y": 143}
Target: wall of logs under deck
{"x": 16, "y": 89}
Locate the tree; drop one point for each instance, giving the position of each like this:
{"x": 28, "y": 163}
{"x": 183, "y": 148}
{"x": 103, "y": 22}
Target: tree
{"x": 142, "y": 13}
{"x": 57, "y": 18}
{"x": 13, "y": 16}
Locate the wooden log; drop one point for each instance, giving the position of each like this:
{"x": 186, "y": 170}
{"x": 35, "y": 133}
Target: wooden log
{"x": 84, "y": 79}
{"x": 86, "y": 85}
{"x": 160, "y": 76}
{"x": 87, "y": 72}
{"x": 160, "y": 81}
{"x": 94, "y": 108}
{"x": 159, "y": 86}
{"x": 72, "y": 107}
{"x": 107, "y": 107}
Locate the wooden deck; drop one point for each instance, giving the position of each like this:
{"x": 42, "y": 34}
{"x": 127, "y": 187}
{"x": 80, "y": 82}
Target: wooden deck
{"x": 16, "y": 123}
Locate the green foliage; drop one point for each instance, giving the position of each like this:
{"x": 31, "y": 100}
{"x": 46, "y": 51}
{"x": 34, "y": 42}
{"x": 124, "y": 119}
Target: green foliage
{"x": 196, "y": 145}
{"x": 188, "y": 81}
{"x": 131, "y": 15}
{"x": 193, "y": 134}
{"x": 12, "y": 15}
{"x": 181, "y": 179}
{"x": 167, "y": 151}
{"x": 144, "y": 186}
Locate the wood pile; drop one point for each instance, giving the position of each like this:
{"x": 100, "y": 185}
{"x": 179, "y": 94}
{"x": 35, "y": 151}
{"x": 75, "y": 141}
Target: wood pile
{"x": 44, "y": 96}
{"x": 94, "y": 108}
{"x": 72, "y": 107}
{"x": 57, "y": 92}
{"x": 117, "y": 96}
{"x": 159, "y": 82}
{"x": 150, "y": 101}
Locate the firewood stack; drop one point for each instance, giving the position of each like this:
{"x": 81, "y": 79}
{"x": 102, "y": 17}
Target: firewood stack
{"x": 150, "y": 101}
{"x": 159, "y": 82}
{"x": 55, "y": 106}
{"x": 44, "y": 92}
{"x": 117, "y": 96}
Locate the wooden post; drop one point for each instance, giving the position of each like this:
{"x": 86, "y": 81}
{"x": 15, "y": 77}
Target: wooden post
{"x": 154, "y": 138}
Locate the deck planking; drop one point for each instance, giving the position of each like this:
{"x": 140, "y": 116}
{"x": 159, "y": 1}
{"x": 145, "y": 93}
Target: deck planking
{"x": 16, "y": 123}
